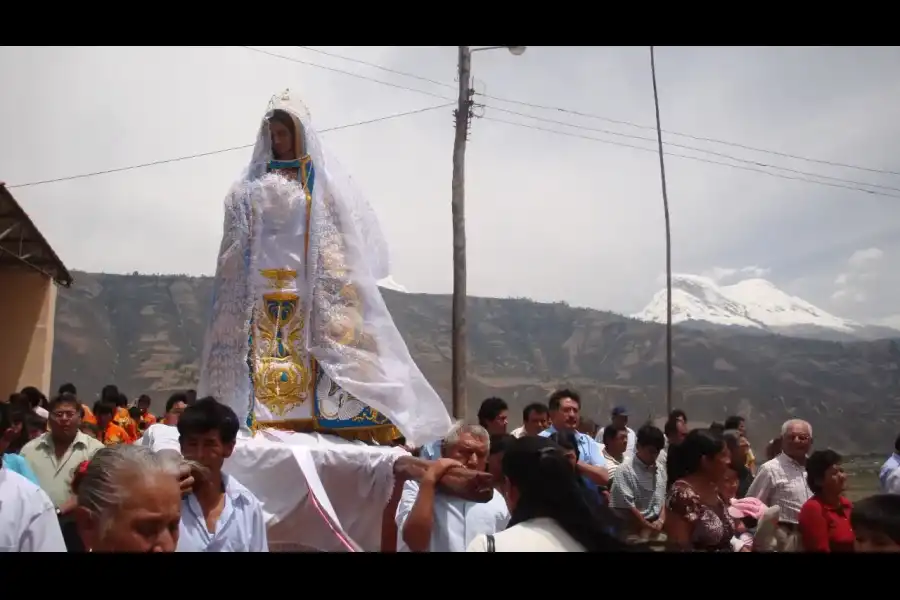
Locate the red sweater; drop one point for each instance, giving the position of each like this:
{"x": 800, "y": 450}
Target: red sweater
{"x": 826, "y": 528}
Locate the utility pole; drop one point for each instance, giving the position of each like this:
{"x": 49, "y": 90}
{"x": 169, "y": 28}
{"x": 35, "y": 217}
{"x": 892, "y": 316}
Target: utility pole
{"x": 665, "y": 195}
{"x": 458, "y": 201}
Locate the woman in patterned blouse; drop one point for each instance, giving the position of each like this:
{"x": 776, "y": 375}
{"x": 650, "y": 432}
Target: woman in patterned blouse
{"x": 697, "y": 517}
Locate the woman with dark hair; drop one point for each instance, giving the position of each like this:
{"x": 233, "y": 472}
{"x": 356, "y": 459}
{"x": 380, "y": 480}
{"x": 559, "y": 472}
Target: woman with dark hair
{"x": 825, "y": 518}
{"x": 739, "y": 448}
{"x": 566, "y": 440}
{"x": 14, "y": 435}
{"x": 697, "y": 518}
{"x": 550, "y": 512}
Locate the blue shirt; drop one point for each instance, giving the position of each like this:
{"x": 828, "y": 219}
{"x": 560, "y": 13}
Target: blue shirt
{"x": 431, "y": 451}
{"x": 589, "y": 452}
{"x": 891, "y": 465}
{"x": 241, "y": 526}
{"x": 17, "y": 464}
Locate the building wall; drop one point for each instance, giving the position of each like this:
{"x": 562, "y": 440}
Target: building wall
{"x": 27, "y": 311}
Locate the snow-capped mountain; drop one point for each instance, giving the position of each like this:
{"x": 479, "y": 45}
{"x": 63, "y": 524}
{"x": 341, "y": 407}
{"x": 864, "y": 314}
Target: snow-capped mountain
{"x": 755, "y": 304}
{"x": 389, "y": 283}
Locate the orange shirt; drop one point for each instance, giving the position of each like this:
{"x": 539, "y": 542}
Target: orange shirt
{"x": 124, "y": 420}
{"x": 115, "y": 435}
{"x": 147, "y": 420}
{"x": 88, "y": 414}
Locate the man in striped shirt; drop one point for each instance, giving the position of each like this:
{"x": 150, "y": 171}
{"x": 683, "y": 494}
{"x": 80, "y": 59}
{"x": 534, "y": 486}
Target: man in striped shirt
{"x": 639, "y": 485}
{"x": 782, "y": 482}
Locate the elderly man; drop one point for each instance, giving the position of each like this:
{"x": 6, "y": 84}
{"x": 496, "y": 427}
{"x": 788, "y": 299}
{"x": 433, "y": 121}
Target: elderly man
{"x": 431, "y": 521}
{"x": 782, "y": 482}
{"x": 565, "y": 415}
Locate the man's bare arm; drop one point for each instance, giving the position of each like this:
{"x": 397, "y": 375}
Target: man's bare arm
{"x": 474, "y": 486}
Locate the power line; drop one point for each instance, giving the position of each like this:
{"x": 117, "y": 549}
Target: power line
{"x": 695, "y": 158}
{"x": 560, "y": 109}
{"x": 694, "y": 148}
{"x": 342, "y": 72}
{"x": 379, "y": 67}
{"x": 222, "y": 151}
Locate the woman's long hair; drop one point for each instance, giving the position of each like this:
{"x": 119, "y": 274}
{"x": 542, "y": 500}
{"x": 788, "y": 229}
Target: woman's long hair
{"x": 548, "y": 487}
{"x": 686, "y": 458}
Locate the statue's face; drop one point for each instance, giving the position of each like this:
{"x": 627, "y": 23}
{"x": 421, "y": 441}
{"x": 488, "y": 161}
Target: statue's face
{"x": 282, "y": 141}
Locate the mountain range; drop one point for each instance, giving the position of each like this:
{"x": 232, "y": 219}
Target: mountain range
{"x": 755, "y": 305}
{"x": 144, "y": 333}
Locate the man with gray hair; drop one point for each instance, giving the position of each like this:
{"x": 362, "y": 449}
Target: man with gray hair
{"x": 782, "y": 482}
{"x": 431, "y": 521}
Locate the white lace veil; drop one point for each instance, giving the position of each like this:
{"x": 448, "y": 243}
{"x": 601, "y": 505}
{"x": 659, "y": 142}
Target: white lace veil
{"x": 347, "y": 255}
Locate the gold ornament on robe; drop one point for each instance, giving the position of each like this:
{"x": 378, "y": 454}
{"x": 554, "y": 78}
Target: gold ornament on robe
{"x": 282, "y": 378}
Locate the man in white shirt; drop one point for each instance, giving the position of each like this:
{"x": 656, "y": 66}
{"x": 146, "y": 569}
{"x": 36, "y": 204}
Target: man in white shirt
{"x": 892, "y": 483}
{"x": 614, "y": 445}
{"x": 28, "y": 521}
{"x": 535, "y": 419}
{"x": 890, "y": 466}
{"x": 220, "y": 514}
{"x": 430, "y": 521}
{"x": 782, "y": 482}
{"x": 620, "y": 418}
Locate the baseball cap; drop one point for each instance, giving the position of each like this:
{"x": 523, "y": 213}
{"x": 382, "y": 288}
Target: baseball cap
{"x": 620, "y": 411}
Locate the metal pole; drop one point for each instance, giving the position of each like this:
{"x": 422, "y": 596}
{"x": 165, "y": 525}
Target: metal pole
{"x": 665, "y": 195}
{"x": 459, "y": 236}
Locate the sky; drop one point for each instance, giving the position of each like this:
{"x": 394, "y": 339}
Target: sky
{"x": 550, "y": 215}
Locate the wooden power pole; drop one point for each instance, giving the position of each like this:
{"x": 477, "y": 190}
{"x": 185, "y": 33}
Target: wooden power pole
{"x": 665, "y": 195}
{"x": 458, "y": 202}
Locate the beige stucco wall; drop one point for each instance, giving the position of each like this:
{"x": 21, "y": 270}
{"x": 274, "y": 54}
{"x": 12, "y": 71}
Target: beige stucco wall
{"x": 27, "y": 311}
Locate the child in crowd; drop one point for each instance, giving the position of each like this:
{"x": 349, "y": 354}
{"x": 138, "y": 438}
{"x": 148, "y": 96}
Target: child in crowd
{"x": 755, "y": 522}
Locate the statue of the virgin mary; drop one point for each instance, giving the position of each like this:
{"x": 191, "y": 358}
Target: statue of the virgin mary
{"x": 300, "y": 343}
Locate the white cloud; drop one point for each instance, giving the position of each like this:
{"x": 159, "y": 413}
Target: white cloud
{"x": 863, "y": 258}
{"x": 721, "y": 274}
{"x": 862, "y": 268}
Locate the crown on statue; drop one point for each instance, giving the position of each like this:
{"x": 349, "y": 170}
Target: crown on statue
{"x": 290, "y": 102}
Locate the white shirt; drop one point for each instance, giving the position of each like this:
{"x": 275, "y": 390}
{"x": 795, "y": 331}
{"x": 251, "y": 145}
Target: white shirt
{"x": 782, "y": 482}
{"x": 892, "y": 483}
{"x": 632, "y": 440}
{"x": 536, "y": 535}
{"x": 456, "y": 521}
{"x": 241, "y": 526}
{"x": 160, "y": 437}
{"x": 28, "y": 521}
{"x": 517, "y": 433}
{"x": 612, "y": 464}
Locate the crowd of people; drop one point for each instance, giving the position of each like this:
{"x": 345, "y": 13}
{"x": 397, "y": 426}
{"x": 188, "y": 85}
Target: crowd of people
{"x": 78, "y": 479}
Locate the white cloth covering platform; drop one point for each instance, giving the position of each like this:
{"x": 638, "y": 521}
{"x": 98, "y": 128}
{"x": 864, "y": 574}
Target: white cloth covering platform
{"x": 318, "y": 492}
